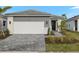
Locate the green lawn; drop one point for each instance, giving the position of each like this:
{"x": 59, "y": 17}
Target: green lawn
{"x": 72, "y": 34}
{"x": 64, "y": 47}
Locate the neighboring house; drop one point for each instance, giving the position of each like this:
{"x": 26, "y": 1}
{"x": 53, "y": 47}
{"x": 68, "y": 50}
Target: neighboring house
{"x": 32, "y": 22}
{"x": 3, "y": 23}
{"x": 73, "y": 23}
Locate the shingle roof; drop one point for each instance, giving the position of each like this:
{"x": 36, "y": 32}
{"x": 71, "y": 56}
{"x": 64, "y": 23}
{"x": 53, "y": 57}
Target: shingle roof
{"x": 33, "y": 13}
{"x": 55, "y": 17}
{"x": 2, "y": 15}
{"x": 74, "y": 18}
{"x": 29, "y": 13}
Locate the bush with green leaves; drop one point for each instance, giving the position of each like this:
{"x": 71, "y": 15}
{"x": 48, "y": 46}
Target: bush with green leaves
{"x": 1, "y": 35}
{"x": 4, "y": 34}
{"x": 7, "y": 33}
{"x": 62, "y": 40}
{"x": 50, "y": 32}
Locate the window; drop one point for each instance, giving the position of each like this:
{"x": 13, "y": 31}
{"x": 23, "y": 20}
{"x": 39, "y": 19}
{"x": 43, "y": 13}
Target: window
{"x": 4, "y": 22}
{"x": 9, "y": 22}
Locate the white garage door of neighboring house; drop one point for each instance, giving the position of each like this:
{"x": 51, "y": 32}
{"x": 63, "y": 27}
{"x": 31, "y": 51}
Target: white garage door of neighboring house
{"x": 29, "y": 27}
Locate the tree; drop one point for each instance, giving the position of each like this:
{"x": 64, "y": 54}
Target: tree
{"x": 63, "y": 22}
{"x": 65, "y": 17}
{"x": 3, "y": 10}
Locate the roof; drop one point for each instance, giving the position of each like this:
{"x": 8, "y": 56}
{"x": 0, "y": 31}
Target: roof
{"x": 2, "y": 16}
{"x": 33, "y": 13}
{"x": 55, "y": 17}
{"x": 28, "y": 13}
{"x": 73, "y": 18}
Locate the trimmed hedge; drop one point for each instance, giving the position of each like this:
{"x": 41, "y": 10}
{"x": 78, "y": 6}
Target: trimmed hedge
{"x": 62, "y": 40}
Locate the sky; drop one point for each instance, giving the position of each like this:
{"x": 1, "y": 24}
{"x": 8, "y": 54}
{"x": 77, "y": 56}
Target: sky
{"x": 70, "y": 11}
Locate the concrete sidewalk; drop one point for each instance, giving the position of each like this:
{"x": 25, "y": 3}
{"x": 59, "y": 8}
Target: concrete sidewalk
{"x": 57, "y": 34}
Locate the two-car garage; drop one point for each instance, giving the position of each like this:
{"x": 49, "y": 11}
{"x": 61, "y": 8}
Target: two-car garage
{"x": 28, "y": 27}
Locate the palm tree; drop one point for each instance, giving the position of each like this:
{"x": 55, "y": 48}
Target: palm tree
{"x": 3, "y": 10}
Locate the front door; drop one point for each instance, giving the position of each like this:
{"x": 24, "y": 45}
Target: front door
{"x": 75, "y": 25}
{"x": 53, "y": 25}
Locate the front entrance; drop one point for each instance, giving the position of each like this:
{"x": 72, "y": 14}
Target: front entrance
{"x": 53, "y": 25}
{"x": 75, "y": 25}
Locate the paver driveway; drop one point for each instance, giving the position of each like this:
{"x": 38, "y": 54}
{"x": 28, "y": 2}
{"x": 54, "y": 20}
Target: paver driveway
{"x": 23, "y": 42}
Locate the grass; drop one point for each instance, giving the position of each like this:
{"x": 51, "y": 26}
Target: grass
{"x": 72, "y": 34}
{"x": 55, "y": 47}
{"x": 62, "y": 47}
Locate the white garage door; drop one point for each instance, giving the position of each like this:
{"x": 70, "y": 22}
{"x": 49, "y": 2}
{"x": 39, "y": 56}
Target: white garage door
{"x": 29, "y": 27}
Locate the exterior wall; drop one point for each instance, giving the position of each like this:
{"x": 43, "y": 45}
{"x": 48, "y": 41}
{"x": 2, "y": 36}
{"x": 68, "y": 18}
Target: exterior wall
{"x": 10, "y": 26}
{"x": 0, "y": 23}
{"x": 78, "y": 24}
{"x": 4, "y": 27}
{"x": 50, "y": 25}
{"x": 71, "y": 25}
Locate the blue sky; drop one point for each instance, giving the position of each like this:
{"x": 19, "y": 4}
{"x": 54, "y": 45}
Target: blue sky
{"x": 70, "y": 11}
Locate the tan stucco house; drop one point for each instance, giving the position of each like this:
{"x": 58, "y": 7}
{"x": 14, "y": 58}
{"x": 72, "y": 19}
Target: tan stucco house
{"x": 31, "y": 22}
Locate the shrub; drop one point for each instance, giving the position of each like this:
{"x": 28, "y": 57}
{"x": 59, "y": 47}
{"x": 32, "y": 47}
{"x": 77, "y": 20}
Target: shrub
{"x": 50, "y": 32}
{"x": 7, "y": 33}
{"x": 1, "y": 35}
{"x": 62, "y": 40}
{"x": 4, "y": 34}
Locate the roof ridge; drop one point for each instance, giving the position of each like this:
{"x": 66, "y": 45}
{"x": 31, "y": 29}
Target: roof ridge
{"x": 29, "y": 11}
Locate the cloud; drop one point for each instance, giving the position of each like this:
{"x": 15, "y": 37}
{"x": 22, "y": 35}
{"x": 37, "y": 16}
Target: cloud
{"x": 76, "y": 7}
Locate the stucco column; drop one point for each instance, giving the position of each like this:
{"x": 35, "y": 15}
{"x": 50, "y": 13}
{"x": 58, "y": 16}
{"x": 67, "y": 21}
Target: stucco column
{"x": 1, "y": 23}
{"x": 58, "y": 25}
{"x": 50, "y": 25}
{"x": 77, "y": 25}
{"x": 10, "y": 25}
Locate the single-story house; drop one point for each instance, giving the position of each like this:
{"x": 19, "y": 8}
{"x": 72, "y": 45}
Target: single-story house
{"x": 73, "y": 23}
{"x": 31, "y": 22}
{"x": 3, "y": 24}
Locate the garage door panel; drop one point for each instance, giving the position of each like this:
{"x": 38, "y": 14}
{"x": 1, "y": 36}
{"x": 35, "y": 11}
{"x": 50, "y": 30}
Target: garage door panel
{"x": 29, "y": 27}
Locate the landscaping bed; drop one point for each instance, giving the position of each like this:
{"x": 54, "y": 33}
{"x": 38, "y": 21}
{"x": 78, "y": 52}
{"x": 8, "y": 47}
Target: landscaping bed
{"x": 4, "y": 34}
{"x": 67, "y": 43}
{"x": 61, "y": 40}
